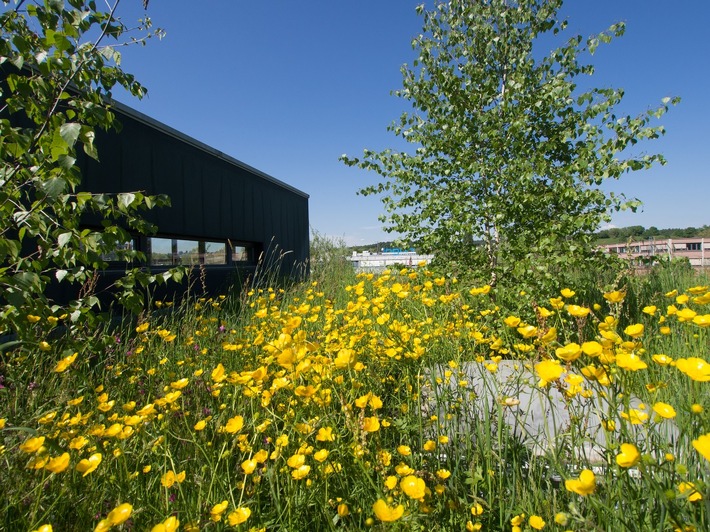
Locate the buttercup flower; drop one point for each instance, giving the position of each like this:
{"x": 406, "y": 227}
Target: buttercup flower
{"x": 234, "y": 425}
{"x": 238, "y": 516}
{"x": 64, "y": 363}
{"x": 548, "y": 371}
{"x": 413, "y": 487}
{"x": 635, "y": 330}
{"x": 536, "y": 522}
{"x": 217, "y": 511}
{"x": 88, "y": 465}
{"x": 584, "y": 485}
{"x": 32, "y": 445}
{"x": 629, "y": 455}
{"x": 702, "y": 445}
{"x": 695, "y": 368}
{"x": 58, "y": 464}
{"x": 171, "y": 524}
{"x": 664, "y": 410}
{"x": 386, "y": 514}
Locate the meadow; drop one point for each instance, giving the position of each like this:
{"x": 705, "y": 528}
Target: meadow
{"x": 355, "y": 402}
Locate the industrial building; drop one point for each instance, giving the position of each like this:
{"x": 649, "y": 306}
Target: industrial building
{"x": 224, "y": 218}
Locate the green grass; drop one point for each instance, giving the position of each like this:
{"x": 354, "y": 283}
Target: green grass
{"x": 304, "y": 406}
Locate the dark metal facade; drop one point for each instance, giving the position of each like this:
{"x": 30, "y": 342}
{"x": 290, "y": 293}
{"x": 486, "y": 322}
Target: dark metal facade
{"x": 214, "y": 197}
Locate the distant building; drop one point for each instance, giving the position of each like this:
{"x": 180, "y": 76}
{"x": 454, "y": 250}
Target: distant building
{"x": 696, "y": 250}
{"x": 375, "y": 262}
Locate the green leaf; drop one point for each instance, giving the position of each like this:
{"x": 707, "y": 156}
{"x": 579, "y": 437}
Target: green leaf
{"x": 63, "y": 239}
{"x": 125, "y": 200}
{"x": 70, "y": 132}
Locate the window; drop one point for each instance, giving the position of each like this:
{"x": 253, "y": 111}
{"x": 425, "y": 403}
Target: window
{"x": 214, "y": 253}
{"x": 161, "y": 252}
{"x": 242, "y": 252}
{"x": 693, "y": 246}
{"x": 119, "y": 252}
{"x": 174, "y": 252}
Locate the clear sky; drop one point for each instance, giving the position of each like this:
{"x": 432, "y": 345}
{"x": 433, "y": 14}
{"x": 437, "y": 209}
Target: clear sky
{"x": 287, "y": 87}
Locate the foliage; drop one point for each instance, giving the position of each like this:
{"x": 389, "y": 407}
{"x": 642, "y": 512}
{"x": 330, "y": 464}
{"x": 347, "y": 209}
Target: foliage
{"x": 509, "y": 155}
{"x": 638, "y": 232}
{"x": 329, "y": 266}
{"x": 411, "y": 397}
{"x": 58, "y": 74}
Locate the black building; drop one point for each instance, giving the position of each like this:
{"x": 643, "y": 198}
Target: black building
{"x": 224, "y": 218}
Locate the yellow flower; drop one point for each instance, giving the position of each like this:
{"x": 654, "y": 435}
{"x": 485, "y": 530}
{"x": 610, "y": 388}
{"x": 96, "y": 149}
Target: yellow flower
{"x": 32, "y": 445}
{"x": 661, "y": 359}
{"x": 64, "y": 363}
{"x": 404, "y": 450}
{"x": 630, "y": 361}
{"x": 536, "y": 522}
{"x": 584, "y": 485}
{"x": 695, "y": 368}
{"x": 476, "y": 509}
{"x": 180, "y": 384}
{"x": 32, "y": 318}
{"x": 615, "y": 297}
{"x": 577, "y": 311}
{"x": 664, "y": 410}
{"x": 170, "y": 478}
{"x": 592, "y": 349}
{"x": 702, "y": 320}
{"x": 694, "y": 495}
{"x": 548, "y": 371}
{"x": 343, "y": 509}
{"x": 429, "y": 445}
{"x": 234, "y": 425}
{"x": 518, "y": 520}
{"x": 635, "y": 330}
{"x": 478, "y": 291}
{"x": 248, "y": 466}
{"x": 384, "y": 513}
{"x": 512, "y": 321}
{"x": 403, "y": 469}
{"x": 239, "y": 516}
{"x": 345, "y": 358}
{"x": 443, "y": 474}
{"x": 371, "y": 424}
{"x": 301, "y": 472}
{"x": 629, "y": 455}
{"x": 88, "y": 465}
{"x": 143, "y": 327}
{"x": 218, "y": 373}
{"x": 528, "y": 331}
{"x": 413, "y": 487}
{"x": 325, "y": 434}
{"x": 567, "y": 293}
{"x": 217, "y": 511}
{"x": 650, "y": 310}
{"x": 44, "y": 528}
{"x": 296, "y": 460}
{"x": 569, "y": 352}
{"x": 200, "y": 425}
{"x": 321, "y": 455}
{"x": 171, "y": 524}
{"x": 119, "y": 514}
{"x": 702, "y": 445}
{"x": 391, "y": 482}
{"x": 636, "y": 416}
{"x": 58, "y": 463}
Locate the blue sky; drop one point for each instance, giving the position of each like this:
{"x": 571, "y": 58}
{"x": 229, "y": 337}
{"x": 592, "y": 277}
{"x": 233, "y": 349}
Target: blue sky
{"x": 287, "y": 87}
